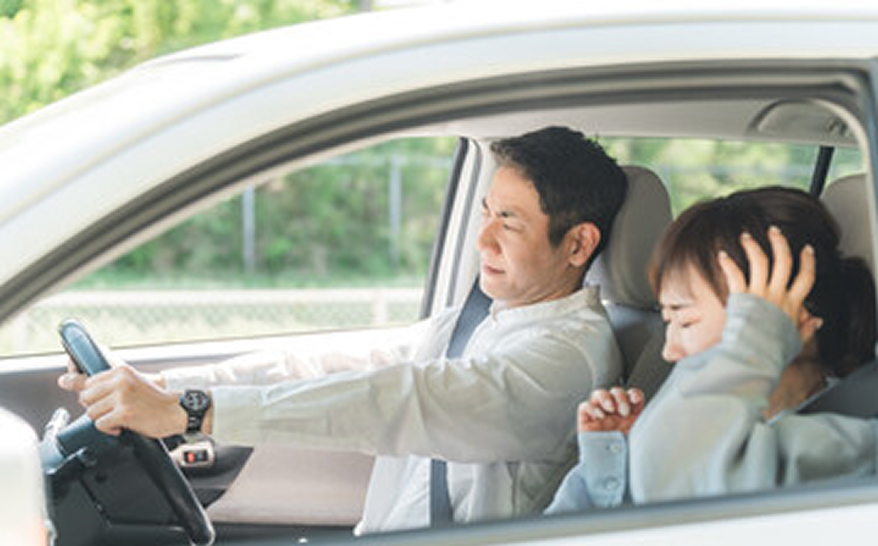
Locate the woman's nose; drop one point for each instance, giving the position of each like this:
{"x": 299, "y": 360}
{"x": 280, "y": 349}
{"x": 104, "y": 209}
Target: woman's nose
{"x": 672, "y": 351}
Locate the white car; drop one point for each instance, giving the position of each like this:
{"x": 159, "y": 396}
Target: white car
{"x": 86, "y": 180}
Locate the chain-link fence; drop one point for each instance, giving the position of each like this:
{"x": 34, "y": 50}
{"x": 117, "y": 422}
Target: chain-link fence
{"x": 145, "y": 317}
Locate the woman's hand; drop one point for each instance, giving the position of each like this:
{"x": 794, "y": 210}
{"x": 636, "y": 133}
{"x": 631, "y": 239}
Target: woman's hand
{"x": 616, "y": 409}
{"x": 773, "y": 283}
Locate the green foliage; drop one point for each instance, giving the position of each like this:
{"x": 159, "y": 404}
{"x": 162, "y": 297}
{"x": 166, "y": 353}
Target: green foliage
{"x": 52, "y": 48}
{"x": 694, "y": 169}
{"x": 326, "y": 225}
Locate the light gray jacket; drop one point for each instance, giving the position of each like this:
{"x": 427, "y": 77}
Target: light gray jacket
{"x": 704, "y": 433}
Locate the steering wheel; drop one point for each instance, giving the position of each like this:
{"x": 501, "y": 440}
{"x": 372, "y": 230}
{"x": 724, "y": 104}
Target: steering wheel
{"x": 151, "y": 453}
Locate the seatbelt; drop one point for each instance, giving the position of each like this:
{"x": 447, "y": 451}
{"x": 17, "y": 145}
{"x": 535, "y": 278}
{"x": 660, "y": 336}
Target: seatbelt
{"x": 474, "y": 311}
{"x": 856, "y": 395}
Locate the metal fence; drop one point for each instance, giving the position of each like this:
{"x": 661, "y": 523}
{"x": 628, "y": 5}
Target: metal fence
{"x": 124, "y": 318}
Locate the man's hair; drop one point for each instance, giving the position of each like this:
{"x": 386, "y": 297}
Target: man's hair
{"x": 575, "y": 178}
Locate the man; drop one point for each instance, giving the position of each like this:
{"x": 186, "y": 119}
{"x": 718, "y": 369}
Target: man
{"x": 499, "y": 414}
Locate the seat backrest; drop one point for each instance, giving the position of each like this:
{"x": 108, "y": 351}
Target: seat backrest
{"x": 847, "y": 199}
{"x": 620, "y": 270}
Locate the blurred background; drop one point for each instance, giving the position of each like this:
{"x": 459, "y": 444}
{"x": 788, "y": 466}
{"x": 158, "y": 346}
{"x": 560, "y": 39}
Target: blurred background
{"x": 342, "y": 244}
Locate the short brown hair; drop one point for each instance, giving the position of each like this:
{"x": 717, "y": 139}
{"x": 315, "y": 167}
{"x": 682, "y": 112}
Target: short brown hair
{"x": 843, "y": 293}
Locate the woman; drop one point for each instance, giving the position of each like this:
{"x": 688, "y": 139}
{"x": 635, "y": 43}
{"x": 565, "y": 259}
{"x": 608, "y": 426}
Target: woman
{"x": 762, "y": 313}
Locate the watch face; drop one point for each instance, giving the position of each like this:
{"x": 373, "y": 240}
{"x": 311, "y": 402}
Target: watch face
{"x": 196, "y": 400}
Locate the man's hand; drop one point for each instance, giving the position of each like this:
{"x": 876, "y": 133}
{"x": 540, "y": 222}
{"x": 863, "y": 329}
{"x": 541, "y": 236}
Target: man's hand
{"x": 74, "y": 380}
{"x": 616, "y": 409}
{"x": 122, "y": 398}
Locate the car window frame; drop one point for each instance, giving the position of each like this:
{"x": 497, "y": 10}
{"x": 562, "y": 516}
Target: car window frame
{"x": 852, "y": 86}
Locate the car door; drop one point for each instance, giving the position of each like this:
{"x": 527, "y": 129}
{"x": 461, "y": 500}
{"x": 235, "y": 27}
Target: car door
{"x": 346, "y": 253}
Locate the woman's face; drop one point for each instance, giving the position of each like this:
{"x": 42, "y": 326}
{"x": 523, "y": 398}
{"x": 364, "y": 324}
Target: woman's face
{"x": 693, "y": 313}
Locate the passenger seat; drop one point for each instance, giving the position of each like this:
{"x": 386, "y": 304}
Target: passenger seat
{"x": 847, "y": 199}
{"x": 620, "y": 271}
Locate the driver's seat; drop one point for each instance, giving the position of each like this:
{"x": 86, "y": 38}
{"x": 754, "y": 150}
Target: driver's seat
{"x": 621, "y": 273}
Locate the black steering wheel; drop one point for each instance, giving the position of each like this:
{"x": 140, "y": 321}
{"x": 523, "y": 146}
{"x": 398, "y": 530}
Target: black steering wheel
{"x": 151, "y": 454}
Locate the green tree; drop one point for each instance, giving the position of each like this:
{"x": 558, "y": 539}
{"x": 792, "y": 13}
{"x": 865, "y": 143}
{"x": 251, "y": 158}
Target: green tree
{"x": 52, "y": 48}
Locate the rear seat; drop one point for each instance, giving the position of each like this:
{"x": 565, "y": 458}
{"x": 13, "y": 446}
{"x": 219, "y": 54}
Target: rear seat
{"x": 621, "y": 272}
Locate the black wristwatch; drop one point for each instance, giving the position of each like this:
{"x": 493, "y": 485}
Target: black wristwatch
{"x": 196, "y": 403}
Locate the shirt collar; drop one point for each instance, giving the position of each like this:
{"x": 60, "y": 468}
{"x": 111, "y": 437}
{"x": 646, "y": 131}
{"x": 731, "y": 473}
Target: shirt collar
{"x": 588, "y": 296}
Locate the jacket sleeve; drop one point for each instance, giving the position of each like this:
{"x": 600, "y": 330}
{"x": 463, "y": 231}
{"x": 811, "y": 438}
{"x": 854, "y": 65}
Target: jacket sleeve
{"x": 511, "y": 404}
{"x": 599, "y": 479}
{"x": 704, "y": 434}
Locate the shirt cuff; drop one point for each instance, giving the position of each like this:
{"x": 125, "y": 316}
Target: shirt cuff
{"x": 604, "y": 459}
{"x": 184, "y": 378}
{"x": 236, "y": 415}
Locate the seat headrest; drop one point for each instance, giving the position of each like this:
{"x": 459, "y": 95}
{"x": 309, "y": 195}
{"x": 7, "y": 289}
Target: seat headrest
{"x": 847, "y": 199}
{"x": 620, "y": 269}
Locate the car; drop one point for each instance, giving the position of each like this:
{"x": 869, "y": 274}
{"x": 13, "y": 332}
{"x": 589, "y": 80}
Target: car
{"x": 704, "y": 98}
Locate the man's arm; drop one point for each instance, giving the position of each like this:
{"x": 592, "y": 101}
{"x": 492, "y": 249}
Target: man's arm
{"x": 303, "y": 360}
{"x": 511, "y": 405}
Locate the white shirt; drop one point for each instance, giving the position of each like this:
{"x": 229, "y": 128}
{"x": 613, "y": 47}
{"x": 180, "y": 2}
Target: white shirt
{"x": 501, "y": 414}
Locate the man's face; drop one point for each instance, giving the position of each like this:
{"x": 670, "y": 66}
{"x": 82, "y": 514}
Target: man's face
{"x": 518, "y": 265}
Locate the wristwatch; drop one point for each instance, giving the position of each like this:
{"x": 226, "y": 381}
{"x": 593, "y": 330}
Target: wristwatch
{"x": 195, "y": 403}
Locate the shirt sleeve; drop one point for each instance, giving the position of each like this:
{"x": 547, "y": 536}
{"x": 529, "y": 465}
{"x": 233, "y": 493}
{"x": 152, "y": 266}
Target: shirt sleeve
{"x": 302, "y": 361}
{"x": 704, "y": 433}
{"x": 599, "y": 479}
{"x": 510, "y": 404}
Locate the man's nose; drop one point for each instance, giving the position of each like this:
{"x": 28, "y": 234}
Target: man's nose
{"x": 487, "y": 240}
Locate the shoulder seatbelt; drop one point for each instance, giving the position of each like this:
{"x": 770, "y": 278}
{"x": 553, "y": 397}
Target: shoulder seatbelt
{"x": 856, "y": 395}
{"x": 474, "y": 311}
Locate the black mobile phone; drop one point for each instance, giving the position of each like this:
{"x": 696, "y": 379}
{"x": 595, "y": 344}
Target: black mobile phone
{"x": 81, "y": 347}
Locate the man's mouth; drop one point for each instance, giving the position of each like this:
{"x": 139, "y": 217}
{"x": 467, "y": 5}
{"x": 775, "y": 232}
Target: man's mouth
{"x": 488, "y": 270}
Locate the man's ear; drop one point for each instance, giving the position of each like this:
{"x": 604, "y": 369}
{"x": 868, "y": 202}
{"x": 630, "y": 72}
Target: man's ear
{"x": 581, "y": 241}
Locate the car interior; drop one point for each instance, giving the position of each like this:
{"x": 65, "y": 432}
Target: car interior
{"x": 272, "y": 491}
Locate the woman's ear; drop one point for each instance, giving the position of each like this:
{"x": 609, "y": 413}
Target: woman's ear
{"x": 581, "y": 241}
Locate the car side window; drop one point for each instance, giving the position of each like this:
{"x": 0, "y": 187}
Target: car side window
{"x": 693, "y": 169}
{"x": 340, "y": 245}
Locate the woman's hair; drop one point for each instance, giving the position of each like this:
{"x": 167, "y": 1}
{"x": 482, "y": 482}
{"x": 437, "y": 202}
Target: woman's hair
{"x": 843, "y": 294}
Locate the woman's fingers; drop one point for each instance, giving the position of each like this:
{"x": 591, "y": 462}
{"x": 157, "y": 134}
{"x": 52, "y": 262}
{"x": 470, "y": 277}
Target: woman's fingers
{"x": 771, "y": 280}
{"x": 806, "y": 276}
{"x": 781, "y": 268}
{"x": 733, "y": 274}
{"x": 620, "y": 398}
{"x": 637, "y": 400}
{"x": 587, "y": 414}
{"x": 602, "y": 399}
{"x": 758, "y": 264}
